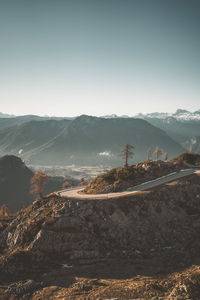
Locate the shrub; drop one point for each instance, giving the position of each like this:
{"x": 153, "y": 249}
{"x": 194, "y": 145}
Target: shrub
{"x": 190, "y": 158}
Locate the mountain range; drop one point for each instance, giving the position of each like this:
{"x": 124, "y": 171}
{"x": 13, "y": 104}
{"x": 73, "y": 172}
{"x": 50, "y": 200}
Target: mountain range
{"x": 182, "y": 125}
{"x": 181, "y": 130}
{"x": 82, "y": 140}
{"x": 88, "y": 140}
{"x": 180, "y": 114}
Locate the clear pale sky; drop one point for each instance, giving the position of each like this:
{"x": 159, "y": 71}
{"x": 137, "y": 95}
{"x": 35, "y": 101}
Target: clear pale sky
{"x": 72, "y": 57}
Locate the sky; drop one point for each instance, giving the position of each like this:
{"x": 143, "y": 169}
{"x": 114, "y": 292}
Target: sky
{"x": 99, "y": 57}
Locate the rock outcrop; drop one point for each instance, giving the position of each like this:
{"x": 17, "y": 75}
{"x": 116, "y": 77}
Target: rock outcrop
{"x": 161, "y": 225}
{"x": 147, "y": 223}
{"x": 121, "y": 178}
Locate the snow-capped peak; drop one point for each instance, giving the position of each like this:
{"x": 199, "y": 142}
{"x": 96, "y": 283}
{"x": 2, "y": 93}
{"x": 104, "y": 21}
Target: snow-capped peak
{"x": 180, "y": 114}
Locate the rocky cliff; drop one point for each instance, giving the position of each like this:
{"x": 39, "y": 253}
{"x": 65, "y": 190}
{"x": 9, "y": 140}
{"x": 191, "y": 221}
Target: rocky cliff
{"x": 161, "y": 225}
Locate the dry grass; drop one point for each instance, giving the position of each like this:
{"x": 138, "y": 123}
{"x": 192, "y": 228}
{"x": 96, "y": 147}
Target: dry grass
{"x": 172, "y": 183}
{"x": 146, "y": 287}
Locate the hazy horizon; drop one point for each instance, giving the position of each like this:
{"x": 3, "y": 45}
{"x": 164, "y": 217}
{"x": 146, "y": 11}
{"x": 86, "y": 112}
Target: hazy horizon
{"x": 74, "y": 116}
{"x": 68, "y": 58}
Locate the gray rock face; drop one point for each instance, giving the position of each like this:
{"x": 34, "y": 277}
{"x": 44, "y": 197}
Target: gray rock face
{"x": 164, "y": 219}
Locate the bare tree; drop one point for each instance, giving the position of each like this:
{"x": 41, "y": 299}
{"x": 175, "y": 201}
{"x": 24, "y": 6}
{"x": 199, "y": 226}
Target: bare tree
{"x": 4, "y": 211}
{"x": 38, "y": 183}
{"x": 127, "y": 153}
{"x": 165, "y": 155}
{"x": 190, "y": 149}
{"x": 157, "y": 152}
{"x": 149, "y": 154}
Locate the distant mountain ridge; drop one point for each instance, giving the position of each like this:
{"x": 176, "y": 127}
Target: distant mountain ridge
{"x": 95, "y": 140}
{"x": 179, "y": 128}
{"x": 180, "y": 114}
{"x": 2, "y": 115}
{"x": 83, "y": 140}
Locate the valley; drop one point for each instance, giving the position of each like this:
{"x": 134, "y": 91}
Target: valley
{"x": 75, "y": 171}
{"x": 95, "y": 141}
{"x": 124, "y": 232}
{"x": 81, "y": 141}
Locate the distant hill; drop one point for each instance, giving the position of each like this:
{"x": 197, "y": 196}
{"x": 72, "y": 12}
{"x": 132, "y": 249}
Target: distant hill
{"x": 97, "y": 140}
{"x": 15, "y": 183}
{"x": 27, "y": 136}
{"x": 181, "y": 125}
{"x": 2, "y": 115}
{"x": 83, "y": 140}
{"x": 179, "y": 130}
{"x": 9, "y": 121}
{"x": 188, "y": 158}
{"x": 49, "y": 140}
{"x": 180, "y": 114}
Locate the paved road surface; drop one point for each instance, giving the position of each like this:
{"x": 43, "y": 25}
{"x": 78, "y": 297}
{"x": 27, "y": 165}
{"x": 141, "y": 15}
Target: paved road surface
{"x": 73, "y": 193}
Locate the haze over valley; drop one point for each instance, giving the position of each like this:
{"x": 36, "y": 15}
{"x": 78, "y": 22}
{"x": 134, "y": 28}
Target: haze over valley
{"x": 96, "y": 141}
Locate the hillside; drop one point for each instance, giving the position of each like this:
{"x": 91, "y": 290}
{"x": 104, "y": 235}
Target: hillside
{"x": 121, "y": 178}
{"x": 15, "y": 183}
{"x": 26, "y": 137}
{"x": 7, "y": 121}
{"x": 142, "y": 246}
{"x": 2, "y": 115}
{"x": 187, "y": 158}
{"x": 181, "y": 126}
{"x": 84, "y": 140}
{"x": 179, "y": 129}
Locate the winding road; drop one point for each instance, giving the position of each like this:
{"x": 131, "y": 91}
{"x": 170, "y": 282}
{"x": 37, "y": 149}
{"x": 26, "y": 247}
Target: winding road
{"x": 74, "y": 193}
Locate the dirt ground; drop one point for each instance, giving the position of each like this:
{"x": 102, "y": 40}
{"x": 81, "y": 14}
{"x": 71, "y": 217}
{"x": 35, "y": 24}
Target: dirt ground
{"x": 142, "y": 278}
{"x": 116, "y": 279}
